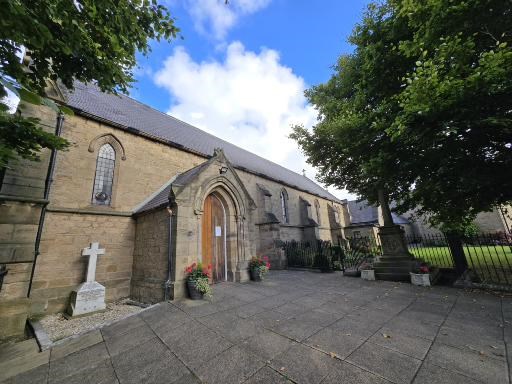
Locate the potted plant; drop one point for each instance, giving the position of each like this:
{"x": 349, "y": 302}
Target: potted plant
{"x": 421, "y": 275}
{"x": 367, "y": 271}
{"x": 198, "y": 281}
{"x": 258, "y": 267}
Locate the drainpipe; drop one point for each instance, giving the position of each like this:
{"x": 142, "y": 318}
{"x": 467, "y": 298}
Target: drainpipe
{"x": 168, "y": 283}
{"x": 47, "y": 185}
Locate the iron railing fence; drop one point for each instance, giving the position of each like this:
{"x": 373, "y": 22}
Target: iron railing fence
{"x": 310, "y": 254}
{"x": 489, "y": 255}
{"x": 347, "y": 254}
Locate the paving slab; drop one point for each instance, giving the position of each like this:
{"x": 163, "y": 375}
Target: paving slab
{"x": 413, "y": 328}
{"x": 267, "y": 375}
{"x": 21, "y": 357}
{"x": 430, "y": 373}
{"x": 458, "y": 337}
{"x": 76, "y": 344}
{"x": 122, "y": 327}
{"x": 38, "y": 375}
{"x": 135, "y": 337}
{"x": 413, "y": 346}
{"x": 468, "y": 363}
{"x": 303, "y": 364}
{"x": 229, "y": 325}
{"x": 78, "y": 362}
{"x": 102, "y": 373}
{"x": 151, "y": 362}
{"x": 392, "y": 365}
{"x": 353, "y": 327}
{"x": 266, "y": 344}
{"x": 195, "y": 344}
{"x": 234, "y": 365}
{"x": 330, "y": 340}
{"x": 346, "y": 373}
{"x": 296, "y": 330}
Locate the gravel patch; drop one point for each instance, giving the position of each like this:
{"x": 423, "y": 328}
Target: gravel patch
{"x": 58, "y": 327}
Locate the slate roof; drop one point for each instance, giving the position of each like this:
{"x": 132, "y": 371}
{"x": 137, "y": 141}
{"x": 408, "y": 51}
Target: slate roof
{"x": 363, "y": 214}
{"x": 138, "y": 118}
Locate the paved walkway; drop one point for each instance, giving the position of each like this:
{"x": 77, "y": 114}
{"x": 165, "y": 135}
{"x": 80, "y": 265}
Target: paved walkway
{"x": 302, "y": 327}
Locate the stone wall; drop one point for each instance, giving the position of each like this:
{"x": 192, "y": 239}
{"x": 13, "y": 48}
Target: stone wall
{"x": 61, "y": 267}
{"x": 21, "y": 200}
{"x": 150, "y": 256}
{"x": 490, "y": 222}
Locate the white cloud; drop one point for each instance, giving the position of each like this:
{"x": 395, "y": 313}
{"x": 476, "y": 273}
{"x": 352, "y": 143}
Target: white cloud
{"x": 249, "y": 99}
{"x": 216, "y": 17}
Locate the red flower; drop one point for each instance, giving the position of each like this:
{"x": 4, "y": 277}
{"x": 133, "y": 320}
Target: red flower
{"x": 194, "y": 265}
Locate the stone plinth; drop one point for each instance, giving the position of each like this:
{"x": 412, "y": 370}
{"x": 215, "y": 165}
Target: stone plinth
{"x": 88, "y": 297}
{"x": 396, "y": 262}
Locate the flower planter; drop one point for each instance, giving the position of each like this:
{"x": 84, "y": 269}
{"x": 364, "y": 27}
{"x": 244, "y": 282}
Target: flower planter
{"x": 193, "y": 293}
{"x": 368, "y": 274}
{"x": 255, "y": 274}
{"x": 421, "y": 279}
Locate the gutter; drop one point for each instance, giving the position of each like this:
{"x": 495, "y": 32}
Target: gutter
{"x": 47, "y": 186}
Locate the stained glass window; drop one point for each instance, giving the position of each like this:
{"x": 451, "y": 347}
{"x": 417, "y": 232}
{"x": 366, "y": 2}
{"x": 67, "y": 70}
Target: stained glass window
{"x": 102, "y": 192}
{"x": 284, "y": 206}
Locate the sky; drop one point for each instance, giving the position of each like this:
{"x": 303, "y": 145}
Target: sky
{"x": 239, "y": 71}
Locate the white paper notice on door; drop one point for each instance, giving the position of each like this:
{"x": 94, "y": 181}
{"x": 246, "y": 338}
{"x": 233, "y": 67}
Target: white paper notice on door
{"x": 218, "y": 231}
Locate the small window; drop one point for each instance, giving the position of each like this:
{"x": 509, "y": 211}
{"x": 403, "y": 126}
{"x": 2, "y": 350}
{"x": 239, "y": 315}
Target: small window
{"x": 284, "y": 206}
{"x": 317, "y": 209}
{"x": 104, "y": 178}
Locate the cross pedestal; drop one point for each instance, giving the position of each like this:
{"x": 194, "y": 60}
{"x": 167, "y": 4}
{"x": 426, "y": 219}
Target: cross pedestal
{"x": 396, "y": 262}
{"x": 89, "y": 296}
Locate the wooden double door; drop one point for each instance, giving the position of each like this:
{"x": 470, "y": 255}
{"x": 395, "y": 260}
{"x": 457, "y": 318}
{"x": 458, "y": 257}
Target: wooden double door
{"x": 214, "y": 237}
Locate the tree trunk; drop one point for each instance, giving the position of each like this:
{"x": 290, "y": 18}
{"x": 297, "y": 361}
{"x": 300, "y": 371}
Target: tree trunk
{"x": 455, "y": 243}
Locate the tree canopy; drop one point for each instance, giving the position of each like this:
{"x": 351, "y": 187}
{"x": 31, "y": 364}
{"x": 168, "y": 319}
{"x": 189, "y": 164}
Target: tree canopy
{"x": 421, "y": 109}
{"x": 86, "y": 40}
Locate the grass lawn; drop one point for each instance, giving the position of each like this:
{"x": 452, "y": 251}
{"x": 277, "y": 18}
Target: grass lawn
{"x": 493, "y": 263}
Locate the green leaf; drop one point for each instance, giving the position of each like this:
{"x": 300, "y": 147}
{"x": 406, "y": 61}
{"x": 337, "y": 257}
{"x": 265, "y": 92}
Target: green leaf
{"x": 29, "y": 97}
{"x": 66, "y": 110}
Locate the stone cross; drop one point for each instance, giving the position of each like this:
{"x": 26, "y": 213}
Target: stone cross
{"x": 93, "y": 252}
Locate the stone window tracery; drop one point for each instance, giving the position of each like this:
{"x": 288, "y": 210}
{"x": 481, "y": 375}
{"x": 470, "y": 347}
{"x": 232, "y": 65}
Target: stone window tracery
{"x": 104, "y": 177}
{"x": 284, "y": 206}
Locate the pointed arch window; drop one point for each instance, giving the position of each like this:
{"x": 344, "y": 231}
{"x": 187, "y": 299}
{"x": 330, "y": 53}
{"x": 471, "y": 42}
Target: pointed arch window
{"x": 104, "y": 178}
{"x": 336, "y": 215}
{"x": 284, "y": 206}
{"x": 317, "y": 209}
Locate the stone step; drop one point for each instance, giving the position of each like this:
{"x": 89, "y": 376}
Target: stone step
{"x": 20, "y": 357}
{"x": 393, "y": 276}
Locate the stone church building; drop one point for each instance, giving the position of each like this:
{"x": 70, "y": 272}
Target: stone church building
{"x": 157, "y": 193}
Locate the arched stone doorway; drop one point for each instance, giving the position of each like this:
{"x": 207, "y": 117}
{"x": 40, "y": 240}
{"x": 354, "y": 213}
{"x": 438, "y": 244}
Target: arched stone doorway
{"x": 214, "y": 236}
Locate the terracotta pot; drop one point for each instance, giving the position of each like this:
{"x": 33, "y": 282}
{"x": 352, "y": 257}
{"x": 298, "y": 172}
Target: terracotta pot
{"x": 255, "y": 274}
{"x": 193, "y": 293}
